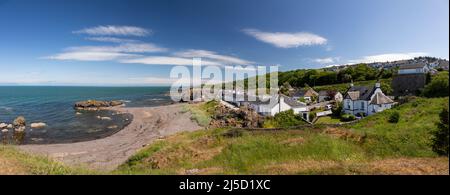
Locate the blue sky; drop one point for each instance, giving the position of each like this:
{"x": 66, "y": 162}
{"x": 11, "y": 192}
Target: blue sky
{"x": 111, "y": 42}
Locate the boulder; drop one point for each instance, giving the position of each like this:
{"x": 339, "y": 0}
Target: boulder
{"x": 5, "y": 131}
{"x": 3, "y": 125}
{"x": 38, "y": 125}
{"x": 19, "y": 122}
{"x": 106, "y": 118}
{"x": 10, "y": 126}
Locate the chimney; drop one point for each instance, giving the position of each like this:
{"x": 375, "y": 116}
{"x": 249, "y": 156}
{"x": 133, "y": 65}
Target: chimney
{"x": 377, "y": 84}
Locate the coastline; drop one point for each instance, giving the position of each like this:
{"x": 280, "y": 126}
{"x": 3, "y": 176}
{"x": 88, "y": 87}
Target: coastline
{"x": 148, "y": 125}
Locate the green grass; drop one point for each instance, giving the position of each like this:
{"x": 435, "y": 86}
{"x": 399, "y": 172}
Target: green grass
{"x": 410, "y": 136}
{"x": 328, "y": 120}
{"x": 342, "y": 87}
{"x": 202, "y": 112}
{"x": 38, "y": 165}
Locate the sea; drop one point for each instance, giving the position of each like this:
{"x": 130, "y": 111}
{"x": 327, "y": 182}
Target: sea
{"x": 53, "y": 105}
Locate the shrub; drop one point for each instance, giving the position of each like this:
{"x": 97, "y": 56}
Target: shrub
{"x": 347, "y": 117}
{"x": 394, "y": 117}
{"x": 337, "y": 110}
{"x": 284, "y": 119}
{"x": 438, "y": 87}
{"x": 441, "y": 135}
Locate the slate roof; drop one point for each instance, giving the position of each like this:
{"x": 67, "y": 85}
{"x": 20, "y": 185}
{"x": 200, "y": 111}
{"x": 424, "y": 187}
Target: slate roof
{"x": 359, "y": 93}
{"x": 380, "y": 98}
{"x": 292, "y": 103}
{"x": 305, "y": 93}
{"x": 412, "y": 66}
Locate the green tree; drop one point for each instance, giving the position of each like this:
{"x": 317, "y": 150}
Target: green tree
{"x": 438, "y": 87}
{"x": 441, "y": 135}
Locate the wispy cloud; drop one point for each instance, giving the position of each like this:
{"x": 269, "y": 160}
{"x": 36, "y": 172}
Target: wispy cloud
{"x": 90, "y": 56}
{"x": 166, "y": 60}
{"x": 287, "y": 40}
{"x": 106, "y": 53}
{"x": 210, "y": 55}
{"x": 387, "y": 57}
{"x": 328, "y": 60}
{"x": 111, "y": 39}
{"x": 127, "y": 48}
{"x": 115, "y": 30}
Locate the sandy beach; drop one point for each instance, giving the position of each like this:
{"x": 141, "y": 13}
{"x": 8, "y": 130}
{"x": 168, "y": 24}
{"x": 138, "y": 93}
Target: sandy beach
{"x": 148, "y": 125}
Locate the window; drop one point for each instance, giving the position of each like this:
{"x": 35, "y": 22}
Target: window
{"x": 362, "y": 105}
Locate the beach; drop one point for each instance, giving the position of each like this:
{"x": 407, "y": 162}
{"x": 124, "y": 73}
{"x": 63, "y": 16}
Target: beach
{"x": 148, "y": 124}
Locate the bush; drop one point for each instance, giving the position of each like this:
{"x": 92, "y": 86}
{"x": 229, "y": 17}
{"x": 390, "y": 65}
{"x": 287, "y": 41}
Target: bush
{"x": 438, "y": 87}
{"x": 347, "y": 117}
{"x": 441, "y": 135}
{"x": 337, "y": 110}
{"x": 284, "y": 119}
{"x": 394, "y": 117}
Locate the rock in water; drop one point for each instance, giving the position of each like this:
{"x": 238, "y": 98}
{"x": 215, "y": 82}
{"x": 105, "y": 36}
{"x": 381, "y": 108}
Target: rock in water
{"x": 38, "y": 125}
{"x": 10, "y": 126}
{"x": 96, "y": 104}
{"x": 3, "y": 125}
{"x": 19, "y": 122}
{"x": 5, "y": 131}
{"x": 106, "y": 118}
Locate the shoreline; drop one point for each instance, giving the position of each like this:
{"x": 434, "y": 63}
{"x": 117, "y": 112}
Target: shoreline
{"x": 148, "y": 124}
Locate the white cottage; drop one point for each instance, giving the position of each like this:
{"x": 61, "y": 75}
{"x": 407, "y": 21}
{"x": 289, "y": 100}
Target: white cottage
{"x": 359, "y": 99}
{"x": 282, "y": 104}
{"x": 418, "y": 68}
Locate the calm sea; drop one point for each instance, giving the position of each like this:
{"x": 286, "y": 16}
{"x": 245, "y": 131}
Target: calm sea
{"x": 54, "y": 106}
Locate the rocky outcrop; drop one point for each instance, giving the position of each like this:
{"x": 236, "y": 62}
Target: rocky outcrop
{"x": 96, "y": 104}
{"x": 38, "y": 125}
{"x": 242, "y": 117}
{"x": 19, "y": 122}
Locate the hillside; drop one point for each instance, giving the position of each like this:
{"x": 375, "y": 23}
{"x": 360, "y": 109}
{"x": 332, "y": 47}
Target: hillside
{"x": 372, "y": 146}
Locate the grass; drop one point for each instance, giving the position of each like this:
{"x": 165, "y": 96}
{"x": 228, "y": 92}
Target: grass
{"x": 387, "y": 148}
{"x": 410, "y": 136}
{"x": 201, "y": 112}
{"x": 328, "y": 120}
{"x": 13, "y": 161}
{"x": 342, "y": 87}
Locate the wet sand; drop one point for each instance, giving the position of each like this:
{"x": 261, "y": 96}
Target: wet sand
{"x": 148, "y": 125}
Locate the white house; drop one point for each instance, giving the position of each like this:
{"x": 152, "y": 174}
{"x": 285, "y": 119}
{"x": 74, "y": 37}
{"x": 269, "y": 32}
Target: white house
{"x": 282, "y": 103}
{"x": 359, "y": 99}
{"x": 418, "y": 68}
{"x": 307, "y": 94}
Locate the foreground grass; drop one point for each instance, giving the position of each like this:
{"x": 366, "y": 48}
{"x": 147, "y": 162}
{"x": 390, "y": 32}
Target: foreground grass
{"x": 16, "y": 162}
{"x": 401, "y": 148}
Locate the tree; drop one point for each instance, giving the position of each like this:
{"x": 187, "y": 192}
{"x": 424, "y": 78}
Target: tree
{"x": 441, "y": 135}
{"x": 438, "y": 87}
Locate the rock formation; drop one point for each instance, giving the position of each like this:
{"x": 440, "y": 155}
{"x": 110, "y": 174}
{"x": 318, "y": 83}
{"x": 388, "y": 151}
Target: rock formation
{"x": 96, "y": 104}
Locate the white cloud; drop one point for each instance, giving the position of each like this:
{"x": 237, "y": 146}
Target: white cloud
{"x": 166, "y": 60}
{"x": 287, "y": 40}
{"x": 115, "y": 30}
{"x": 111, "y": 39}
{"x": 387, "y": 57}
{"x": 213, "y": 56}
{"x": 127, "y": 47}
{"x": 90, "y": 56}
{"x": 105, "y": 53}
{"x": 328, "y": 60}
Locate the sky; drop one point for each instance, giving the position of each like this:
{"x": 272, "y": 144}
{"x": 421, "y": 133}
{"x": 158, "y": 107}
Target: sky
{"x": 137, "y": 42}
